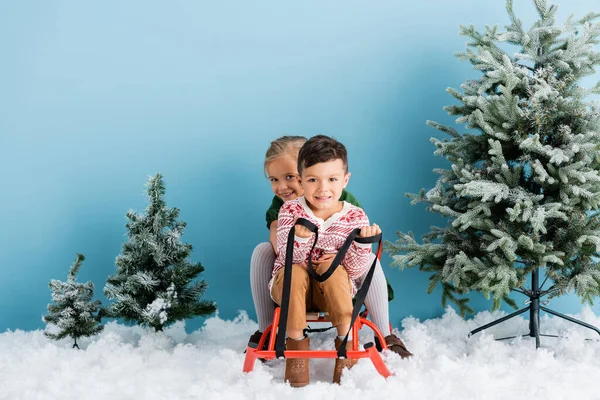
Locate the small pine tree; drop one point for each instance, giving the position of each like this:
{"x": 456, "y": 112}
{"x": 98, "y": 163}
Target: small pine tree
{"x": 73, "y": 311}
{"x": 153, "y": 284}
{"x": 524, "y": 186}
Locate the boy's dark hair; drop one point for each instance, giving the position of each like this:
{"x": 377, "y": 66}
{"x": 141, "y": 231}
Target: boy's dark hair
{"x": 319, "y": 149}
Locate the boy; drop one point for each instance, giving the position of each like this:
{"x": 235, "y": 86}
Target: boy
{"x": 323, "y": 169}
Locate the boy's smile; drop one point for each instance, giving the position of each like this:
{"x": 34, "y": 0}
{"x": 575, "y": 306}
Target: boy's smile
{"x": 323, "y": 198}
{"x": 323, "y": 184}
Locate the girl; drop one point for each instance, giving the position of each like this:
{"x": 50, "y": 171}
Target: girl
{"x": 281, "y": 167}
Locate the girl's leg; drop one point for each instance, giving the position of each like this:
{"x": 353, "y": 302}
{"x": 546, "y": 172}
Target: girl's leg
{"x": 261, "y": 269}
{"x": 377, "y": 299}
{"x": 377, "y": 304}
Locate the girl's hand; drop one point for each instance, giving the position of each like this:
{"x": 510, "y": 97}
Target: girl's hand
{"x": 368, "y": 231}
{"x": 273, "y": 236}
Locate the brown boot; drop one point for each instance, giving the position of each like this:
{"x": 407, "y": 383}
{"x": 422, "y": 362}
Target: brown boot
{"x": 341, "y": 364}
{"x": 296, "y": 369}
{"x": 397, "y": 346}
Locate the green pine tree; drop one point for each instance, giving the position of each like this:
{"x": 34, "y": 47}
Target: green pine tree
{"x": 524, "y": 185}
{"x": 154, "y": 281}
{"x": 73, "y": 312}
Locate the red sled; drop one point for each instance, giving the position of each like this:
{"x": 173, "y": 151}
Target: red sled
{"x": 360, "y": 319}
{"x": 252, "y": 354}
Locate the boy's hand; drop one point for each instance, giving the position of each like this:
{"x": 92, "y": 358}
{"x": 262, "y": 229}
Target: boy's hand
{"x": 324, "y": 262}
{"x": 327, "y": 257}
{"x": 368, "y": 231}
{"x": 302, "y": 231}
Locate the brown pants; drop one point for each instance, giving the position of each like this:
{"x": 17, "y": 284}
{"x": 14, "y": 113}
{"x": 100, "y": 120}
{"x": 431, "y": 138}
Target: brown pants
{"x": 306, "y": 294}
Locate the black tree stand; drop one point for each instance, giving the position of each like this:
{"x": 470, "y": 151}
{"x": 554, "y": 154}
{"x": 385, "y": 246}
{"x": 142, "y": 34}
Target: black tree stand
{"x": 534, "y": 308}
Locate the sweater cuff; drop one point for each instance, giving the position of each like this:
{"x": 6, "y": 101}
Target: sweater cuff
{"x": 301, "y": 240}
{"x": 363, "y": 245}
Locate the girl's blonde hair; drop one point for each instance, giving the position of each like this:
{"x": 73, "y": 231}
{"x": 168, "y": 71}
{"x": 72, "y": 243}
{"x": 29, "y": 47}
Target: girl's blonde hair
{"x": 285, "y": 145}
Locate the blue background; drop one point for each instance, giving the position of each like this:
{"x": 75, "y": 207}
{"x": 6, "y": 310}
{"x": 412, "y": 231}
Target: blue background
{"x": 96, "y": 96}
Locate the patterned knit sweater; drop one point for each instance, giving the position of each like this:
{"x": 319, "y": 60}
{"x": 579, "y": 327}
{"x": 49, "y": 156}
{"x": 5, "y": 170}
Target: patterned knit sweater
{"x": 332, "y": 234}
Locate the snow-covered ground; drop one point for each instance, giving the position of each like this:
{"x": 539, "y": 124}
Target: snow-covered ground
{"x": 131, "y": 363}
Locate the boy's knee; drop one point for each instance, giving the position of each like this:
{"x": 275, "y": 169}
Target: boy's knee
{"x": 300, "y": 282}
{"x": 338, "y": 283}
{"x": 340, "y": 274}
{"x": 299, "y": 274}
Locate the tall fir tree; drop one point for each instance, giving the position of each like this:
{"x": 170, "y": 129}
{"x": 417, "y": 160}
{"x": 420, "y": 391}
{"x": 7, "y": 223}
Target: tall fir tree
{"x": 154, "y": 281}
{"x": 73, "y": 312}
{"x": 524, "y": 187}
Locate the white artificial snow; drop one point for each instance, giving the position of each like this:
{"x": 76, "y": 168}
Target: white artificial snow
{"x": 157, "y": 310}
{"x": 134, "y": 363}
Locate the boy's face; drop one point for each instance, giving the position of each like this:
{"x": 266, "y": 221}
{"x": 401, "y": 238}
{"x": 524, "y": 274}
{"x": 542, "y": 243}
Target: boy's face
{"x": 283, "y": 174}
{"x": 323, "y": 184}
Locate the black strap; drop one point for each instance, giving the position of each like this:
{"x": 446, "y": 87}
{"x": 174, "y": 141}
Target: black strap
{"x": 316, "y": 330}
{"x": 285, "y": 296}
{"x": 287, "y": 280}
{"x": 337, "y": 260}
{"x": 359, "y": 299}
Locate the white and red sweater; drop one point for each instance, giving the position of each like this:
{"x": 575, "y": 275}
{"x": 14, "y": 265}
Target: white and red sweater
{"x": 332, "y": 235}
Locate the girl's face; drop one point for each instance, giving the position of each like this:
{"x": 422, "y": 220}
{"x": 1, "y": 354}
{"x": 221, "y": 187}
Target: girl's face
{"x": 283, "y": 174}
